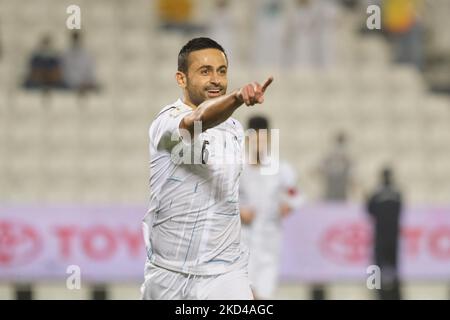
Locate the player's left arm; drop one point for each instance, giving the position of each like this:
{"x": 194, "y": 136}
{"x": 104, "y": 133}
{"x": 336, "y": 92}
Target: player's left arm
{"x": 291, "y": 198}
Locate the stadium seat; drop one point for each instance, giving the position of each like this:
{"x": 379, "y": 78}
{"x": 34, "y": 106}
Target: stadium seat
{"x": 425, "y": 291}
{"x": 348, "y": 291}
{"x": 26, "y": 104}
{"x": 56, "y": 291}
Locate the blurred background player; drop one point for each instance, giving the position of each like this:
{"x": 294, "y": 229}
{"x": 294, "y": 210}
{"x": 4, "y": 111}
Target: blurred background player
{"x": 385, "y": 206}
{"x": 264, "y": 201}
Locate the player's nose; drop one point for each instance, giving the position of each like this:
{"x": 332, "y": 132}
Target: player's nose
{"x": 215, "y": 80}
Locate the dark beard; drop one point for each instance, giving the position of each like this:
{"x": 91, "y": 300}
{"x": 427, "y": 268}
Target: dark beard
{"x": 195, "y": 99}
{"x": 198, "y": 99}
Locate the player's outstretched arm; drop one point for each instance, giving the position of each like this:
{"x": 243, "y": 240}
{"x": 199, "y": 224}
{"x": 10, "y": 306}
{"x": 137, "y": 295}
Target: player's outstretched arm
{"x": 215, "y": 111}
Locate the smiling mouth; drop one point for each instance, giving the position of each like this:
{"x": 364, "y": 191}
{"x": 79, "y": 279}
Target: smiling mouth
{"x": 214, "y": 92}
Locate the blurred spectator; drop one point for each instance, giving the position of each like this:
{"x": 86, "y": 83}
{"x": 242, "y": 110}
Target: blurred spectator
{"x": 327, "y": 23}
{"x": 78, "y": 66}
{"x": 312, "y": 27}
{"x": 301, "y": 29}
{"x": 402, "y": 23}
{"x": 350, "y": 4}
{"x": 1, "y": 42}
{"x": 265, "y": 200}
{"x": 336, "y": 171}
{"x": 221, "y": 26}
{"x": 176, "y": 14}
{"x": 44, "y": 67}
{"x": 269, "y": 33}
{"x": 385, "y": 206}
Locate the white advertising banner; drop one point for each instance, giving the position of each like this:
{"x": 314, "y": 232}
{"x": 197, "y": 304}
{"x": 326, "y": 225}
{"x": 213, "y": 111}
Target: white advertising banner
{"x": 320, "y": 243}
{"x": 334, "y": 242}
{"x": 38, "y": 243}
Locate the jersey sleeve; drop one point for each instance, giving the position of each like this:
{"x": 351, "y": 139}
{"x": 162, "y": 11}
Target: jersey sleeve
{"x": 165, "y": 131}
{"x": 290, "y": 193}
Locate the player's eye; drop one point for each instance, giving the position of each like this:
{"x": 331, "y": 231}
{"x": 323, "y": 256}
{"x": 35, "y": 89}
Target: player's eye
{"x": 223, "y": 71}
{"x": 204, "y": 72}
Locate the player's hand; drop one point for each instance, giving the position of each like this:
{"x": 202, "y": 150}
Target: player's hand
{"x": 285, "y": 210}
{"x": 253, "y": 93}
{"x": 247, "y": 216}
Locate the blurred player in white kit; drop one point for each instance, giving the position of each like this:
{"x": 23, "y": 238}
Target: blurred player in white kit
{"x": 192, "y": 228}
{"x": 264, "y": 200}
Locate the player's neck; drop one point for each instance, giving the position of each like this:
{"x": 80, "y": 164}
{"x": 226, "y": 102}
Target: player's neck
{"x": 189, "y": 103}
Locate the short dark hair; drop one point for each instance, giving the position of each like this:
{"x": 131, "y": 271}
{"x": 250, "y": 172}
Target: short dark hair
{"x": 258, "y": 122}
{"x": 195, "y": 45}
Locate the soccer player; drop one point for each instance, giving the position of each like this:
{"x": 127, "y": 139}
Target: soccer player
{"x": 264, "y": 200}
{"x": 192, "y": 228}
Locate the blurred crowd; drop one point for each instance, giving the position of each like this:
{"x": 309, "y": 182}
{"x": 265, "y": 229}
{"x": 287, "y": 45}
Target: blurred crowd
{"x": 282, "y": 33}
{"x": 70, "y": 70}
{"x": 301, "y": 33}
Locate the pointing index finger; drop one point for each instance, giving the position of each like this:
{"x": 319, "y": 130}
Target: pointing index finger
{"x": 267, "y": 83}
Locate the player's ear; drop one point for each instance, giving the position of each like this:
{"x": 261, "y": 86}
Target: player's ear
{"x": 181, "y": 79}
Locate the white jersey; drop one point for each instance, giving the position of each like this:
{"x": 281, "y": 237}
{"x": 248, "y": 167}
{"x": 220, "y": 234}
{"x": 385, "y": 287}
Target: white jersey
{"x": 264, "y": 194}
{"x": 193, "y": 222}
